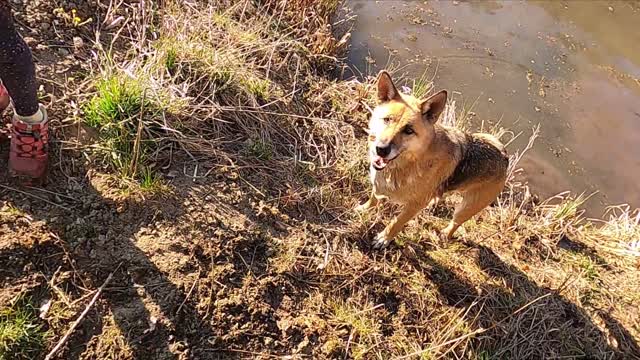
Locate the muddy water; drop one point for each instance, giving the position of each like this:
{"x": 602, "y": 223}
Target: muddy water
{"x": 571, "y": 66}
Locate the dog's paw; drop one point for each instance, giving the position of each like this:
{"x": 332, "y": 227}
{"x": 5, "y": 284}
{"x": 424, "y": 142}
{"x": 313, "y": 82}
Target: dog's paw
{"x": 381, "y": 241}
{"x": 446, "y": 234}
{"x": 442, "y": 235}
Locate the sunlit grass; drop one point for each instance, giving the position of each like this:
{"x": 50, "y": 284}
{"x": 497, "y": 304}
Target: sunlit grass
{"x": 22, "y": 334}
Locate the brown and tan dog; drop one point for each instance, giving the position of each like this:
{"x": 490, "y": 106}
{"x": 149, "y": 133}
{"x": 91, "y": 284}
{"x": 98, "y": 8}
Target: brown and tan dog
{"x": 415, "y": 160}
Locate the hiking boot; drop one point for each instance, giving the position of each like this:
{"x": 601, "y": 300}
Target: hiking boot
{"x": 28, "y": 154}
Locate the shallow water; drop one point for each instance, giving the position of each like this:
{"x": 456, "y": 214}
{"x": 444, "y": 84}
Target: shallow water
{"x": 571, "y": 66}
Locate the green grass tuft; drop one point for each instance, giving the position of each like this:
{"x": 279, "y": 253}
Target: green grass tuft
{"x": 150, "y": 180}
{"x": 221, "y": 19}
{"x": 22, "y": 336}
{"x": 256, "y": 86}
{"x": 170, "y": 60}
{"x": 259, "y": 149}
{"x": 115, "y": 111}
{"x": 118, "y": 100}
{"x": 363, "y": 327}
{"x": 588, "y": 267}
{"x": 422, "y": 86}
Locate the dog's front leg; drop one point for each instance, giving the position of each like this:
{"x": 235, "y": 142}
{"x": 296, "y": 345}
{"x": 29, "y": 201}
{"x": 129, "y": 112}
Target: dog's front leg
{"x": 372, "y": 202}
{"x": 395, "y": 226}
{"x": 434, "y": 203}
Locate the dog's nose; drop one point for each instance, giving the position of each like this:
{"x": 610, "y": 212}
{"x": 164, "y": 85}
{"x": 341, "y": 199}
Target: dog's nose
{"x": 383, "y": 150}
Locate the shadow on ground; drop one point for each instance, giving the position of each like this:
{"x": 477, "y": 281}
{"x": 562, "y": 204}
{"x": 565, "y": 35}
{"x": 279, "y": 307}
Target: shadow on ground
{"x": 181, "y": 261}
{"x": 523, "y": 320}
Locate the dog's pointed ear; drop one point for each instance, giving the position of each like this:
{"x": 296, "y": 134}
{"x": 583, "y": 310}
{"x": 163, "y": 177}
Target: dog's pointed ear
{"x": 433, "y": 106}
{"x": 386, "y": 89}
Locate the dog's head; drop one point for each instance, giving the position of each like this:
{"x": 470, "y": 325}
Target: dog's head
{"x": 401, "y": 126}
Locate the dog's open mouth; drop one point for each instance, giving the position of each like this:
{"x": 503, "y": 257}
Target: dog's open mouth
{"x": 379, "y": 163}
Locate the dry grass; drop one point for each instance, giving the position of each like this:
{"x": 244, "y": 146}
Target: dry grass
{"x": 217, "y": 76}
{"x": 271, "y": 260}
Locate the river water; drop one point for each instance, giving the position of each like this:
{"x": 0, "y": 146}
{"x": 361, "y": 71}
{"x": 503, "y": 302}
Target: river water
{"x": 571, "y": 66}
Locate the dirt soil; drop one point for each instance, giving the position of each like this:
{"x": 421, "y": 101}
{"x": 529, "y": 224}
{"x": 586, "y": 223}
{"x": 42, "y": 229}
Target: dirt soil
{"x": 247, "y": 262}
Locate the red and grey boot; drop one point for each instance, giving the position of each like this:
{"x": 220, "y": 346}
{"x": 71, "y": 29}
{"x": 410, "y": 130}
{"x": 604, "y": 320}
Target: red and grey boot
{"x": 28, "y": 154}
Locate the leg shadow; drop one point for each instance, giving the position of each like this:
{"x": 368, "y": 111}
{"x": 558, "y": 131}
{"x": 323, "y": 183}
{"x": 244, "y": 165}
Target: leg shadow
{"x": 96, "y": 237}
{"x": 567, "y": 330}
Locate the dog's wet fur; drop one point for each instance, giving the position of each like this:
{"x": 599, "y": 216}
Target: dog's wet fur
{"x": 415, "y": 160}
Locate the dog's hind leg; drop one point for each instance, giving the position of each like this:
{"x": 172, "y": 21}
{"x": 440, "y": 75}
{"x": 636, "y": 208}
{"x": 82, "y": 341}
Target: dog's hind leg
{"x": 474, "y": 199}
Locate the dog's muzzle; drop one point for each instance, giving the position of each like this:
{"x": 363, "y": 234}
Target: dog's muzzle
{"x": 382, "y": 155}
{"x": 379, "y": 163}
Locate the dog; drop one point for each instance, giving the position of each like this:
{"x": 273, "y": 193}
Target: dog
{"x": 414, "y": 160}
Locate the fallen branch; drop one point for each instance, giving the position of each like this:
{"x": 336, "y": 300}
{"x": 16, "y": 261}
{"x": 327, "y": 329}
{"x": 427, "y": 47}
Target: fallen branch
{"x": 79, "y": 319}
{"x": 35, "y": 197}
{"x": 188, "y": 294}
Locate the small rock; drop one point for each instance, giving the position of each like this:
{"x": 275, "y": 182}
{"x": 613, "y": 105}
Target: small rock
{"x": 280, "y": 226}
{"x": 611, "y": 9}
{"x": 153, "y": 321}
{"x": 44, "y": 309}
{"x": 63, "y": 52}
{"x": 29, "y": 40}
{"x": 78, "y": 43}
{"x": 172, "y": 173}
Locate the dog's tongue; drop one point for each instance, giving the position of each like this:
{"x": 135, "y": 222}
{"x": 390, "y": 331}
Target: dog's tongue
{"x": 379, "y": 162}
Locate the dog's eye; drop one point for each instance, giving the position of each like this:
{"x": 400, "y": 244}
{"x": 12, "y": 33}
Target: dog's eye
{"x": 408, "y": 130}
{"x": 386, "y": 120}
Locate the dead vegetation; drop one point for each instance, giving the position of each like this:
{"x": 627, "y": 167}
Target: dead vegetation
{"x": 220, "y": 178}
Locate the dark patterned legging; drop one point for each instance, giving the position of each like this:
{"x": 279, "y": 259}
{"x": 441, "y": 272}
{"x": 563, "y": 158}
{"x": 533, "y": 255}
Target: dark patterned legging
{"x": 16, "y": 65}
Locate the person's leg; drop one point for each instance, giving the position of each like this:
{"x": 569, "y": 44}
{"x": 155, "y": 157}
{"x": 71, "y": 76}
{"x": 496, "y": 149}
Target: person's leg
{"x": 16, "y": 65}
{"x": 29, "y": 135}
